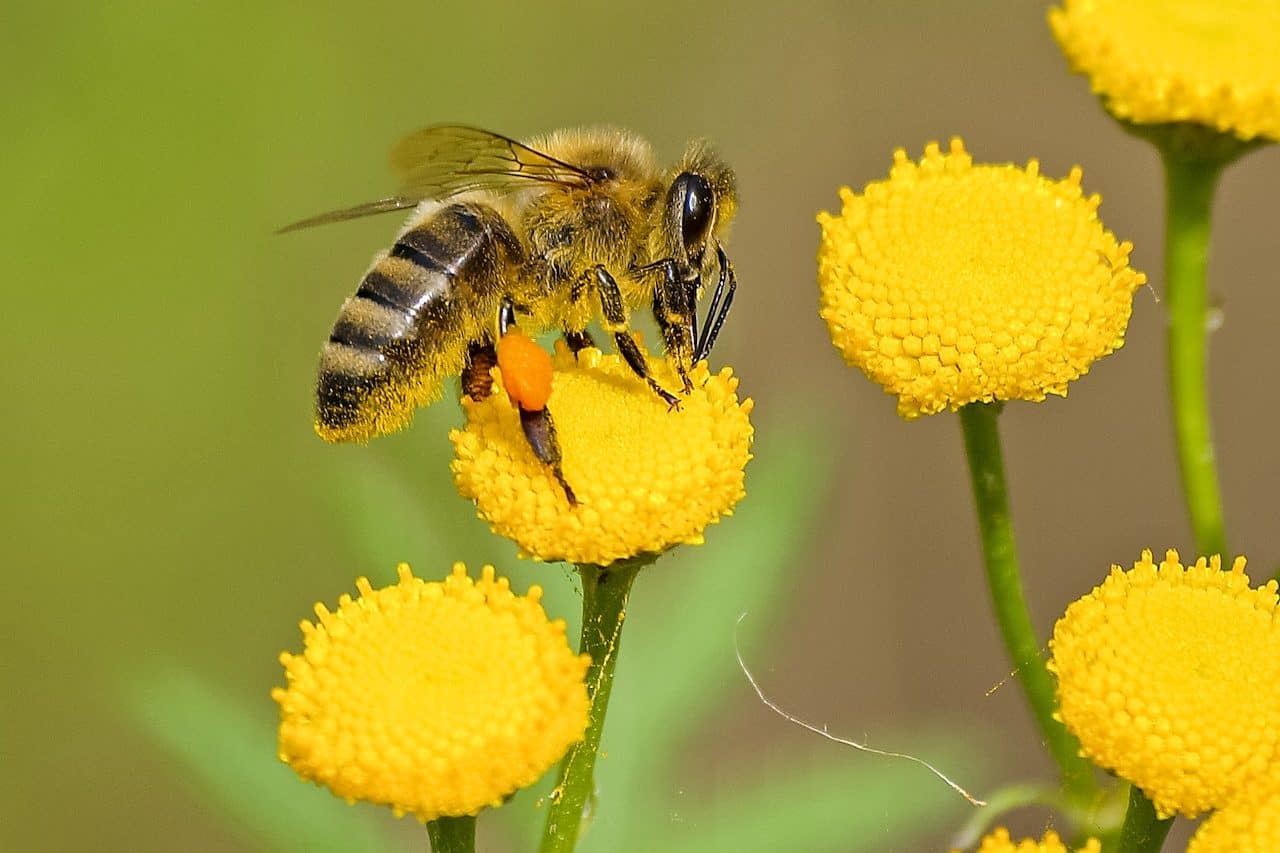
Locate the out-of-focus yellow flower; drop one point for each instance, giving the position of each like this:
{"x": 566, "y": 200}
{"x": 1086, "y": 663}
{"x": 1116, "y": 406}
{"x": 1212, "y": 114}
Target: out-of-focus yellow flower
{"x": 999, "y": 841}
{"x": 646, "y": 477}
{"x": 951, "y": 283}
{"x": 1250, "y": 823}
{"x": 433, "y": 698}
{"x": 1170, "y": 677}
{"x": 1211, "y": 62}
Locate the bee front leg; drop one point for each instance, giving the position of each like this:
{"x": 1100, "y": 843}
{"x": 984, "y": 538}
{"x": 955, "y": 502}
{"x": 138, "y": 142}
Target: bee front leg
{"x": 674, "y": 310}
{"x": 718, "y": 310}
{"x": 615, "y": 322}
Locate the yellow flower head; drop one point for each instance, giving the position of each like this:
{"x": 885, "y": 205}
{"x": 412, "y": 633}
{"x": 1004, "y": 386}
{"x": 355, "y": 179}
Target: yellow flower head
{"x": 951, "y": 283}
{"x": 1210, "y": 62}
{"x": 999, "y": 841}
{"x": 433, "y": 698}
{"x": 1170, "y": 676}
{"x": 1250, "y": 823}
{"x": 646, "y": 478}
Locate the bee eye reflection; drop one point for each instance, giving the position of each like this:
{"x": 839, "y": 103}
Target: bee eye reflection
{"x": 696, "y": 212}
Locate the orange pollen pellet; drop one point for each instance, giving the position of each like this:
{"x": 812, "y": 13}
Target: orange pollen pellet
{"x": 526, "y": 370}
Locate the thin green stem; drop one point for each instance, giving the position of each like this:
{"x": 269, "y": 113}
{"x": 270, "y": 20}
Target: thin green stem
{"x": 1004, "y": 578}
{"x": 452, "y": 834}
{"x": 1142, "y": 832}
{"x": 605, "y": 591}
{"x": 1190, "y": 183}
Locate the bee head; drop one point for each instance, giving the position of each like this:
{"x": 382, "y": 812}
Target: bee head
{"x": 700, "y": 204}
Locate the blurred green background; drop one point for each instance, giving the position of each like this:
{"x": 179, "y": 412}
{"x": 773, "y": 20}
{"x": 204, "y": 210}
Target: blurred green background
{"x": 169, "y": 516}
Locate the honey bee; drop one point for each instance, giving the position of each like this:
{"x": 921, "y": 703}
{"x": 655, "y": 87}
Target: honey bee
{"x": 574, "y": 225}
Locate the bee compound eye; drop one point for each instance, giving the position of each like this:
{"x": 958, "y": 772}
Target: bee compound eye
{"x": 696, "y": 212}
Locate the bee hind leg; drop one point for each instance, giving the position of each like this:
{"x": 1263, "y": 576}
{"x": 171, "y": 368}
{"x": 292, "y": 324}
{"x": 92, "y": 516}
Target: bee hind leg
{"x": 615, "y": 316}
{"x": 477, "y": 382}
{"x": 540, "y": 432}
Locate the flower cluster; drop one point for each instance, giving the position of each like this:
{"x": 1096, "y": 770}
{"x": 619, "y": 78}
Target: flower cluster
{"x": 1170, "y": 676}
{"x": 1000, "y": 841}
{"x": 435, "y": 698}
{"x": 646, "y": 477}
{"x": 952, "y": 283}
{"x": 1158, "y": 61}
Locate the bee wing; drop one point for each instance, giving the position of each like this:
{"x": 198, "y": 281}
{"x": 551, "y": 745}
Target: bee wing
{"x": 441, "y": 161}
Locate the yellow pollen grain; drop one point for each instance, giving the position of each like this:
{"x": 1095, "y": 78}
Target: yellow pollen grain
{"x": 434, "y": 698}
{"x": 1170, "y": 677}
{"x": 1156, "y": 61}
{"x": 646, "y": 477}
{"x": 952, "y": 283}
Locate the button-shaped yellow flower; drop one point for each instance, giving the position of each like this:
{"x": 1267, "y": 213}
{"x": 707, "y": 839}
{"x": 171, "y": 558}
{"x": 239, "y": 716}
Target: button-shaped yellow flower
{"x": 952, "y": 283}
{"x": 646, "y": 477}
{"x": 435, "y": 698}
{"x": 1250, "y": 823}
{"x": 1170, "y": 677}
{"x": 1211, "y": 62}
{"x": 999, "y": 841}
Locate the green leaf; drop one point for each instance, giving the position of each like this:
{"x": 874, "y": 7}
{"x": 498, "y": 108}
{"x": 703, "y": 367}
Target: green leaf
{"x": 229, "y": 754}
{"x": 1005, "y": 800}
{"x": 841, "y": 801}
{"x": 384, "y": 521}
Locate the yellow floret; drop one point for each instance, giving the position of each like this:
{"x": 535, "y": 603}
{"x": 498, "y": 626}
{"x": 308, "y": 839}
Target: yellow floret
{"x": 646, "y": 477}
{"x": 1250, "y": 823}
{"x": 1211, "y": 62}
{"x": 999, "y": 841}
{"x": 433, "y": 698}
{"x": 951, "y": 283}
{"x": 1170, "y": 677}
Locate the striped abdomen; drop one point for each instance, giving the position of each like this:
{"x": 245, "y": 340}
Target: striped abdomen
{"x": 407, "y": 328}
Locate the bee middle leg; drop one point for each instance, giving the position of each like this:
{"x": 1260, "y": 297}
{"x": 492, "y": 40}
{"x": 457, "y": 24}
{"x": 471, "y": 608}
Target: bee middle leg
{"x": 615, "y": 317}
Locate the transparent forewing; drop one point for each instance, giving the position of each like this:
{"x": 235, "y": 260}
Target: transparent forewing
{"x": 437, "y": 162}
{"x": 382, "y": 205}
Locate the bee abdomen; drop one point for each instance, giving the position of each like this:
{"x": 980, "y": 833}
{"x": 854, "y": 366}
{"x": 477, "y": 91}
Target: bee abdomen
{"x": 401, "y": 333}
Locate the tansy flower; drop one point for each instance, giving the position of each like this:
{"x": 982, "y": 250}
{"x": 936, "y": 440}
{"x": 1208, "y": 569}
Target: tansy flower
{"x": 645, "y": 477}
{"x": 435, "y": 698}
{"x": 951, "y": 283}
{"x": 1250, "y": 823}
{"x": 1211, "y": 62}
{"x": 999, "y": 841}
{"x": 1170, "y": 677}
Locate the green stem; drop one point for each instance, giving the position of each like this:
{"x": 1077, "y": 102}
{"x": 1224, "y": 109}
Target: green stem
{"x": 1190, "y": 182}
{"x": 604, "y": 601}
{"x": 452, "y": 834}
{"x": 991, "y": 498}
{"x": 1142, "y": 832}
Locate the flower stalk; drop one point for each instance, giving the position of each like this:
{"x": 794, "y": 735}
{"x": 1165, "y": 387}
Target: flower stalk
{"x": 1190, "y": 183}
{"x": 1143, "y": 831}
{"x": 1004, "y": 580}
{"x": 605, "y": 591}
{"x": 452, "y": 834}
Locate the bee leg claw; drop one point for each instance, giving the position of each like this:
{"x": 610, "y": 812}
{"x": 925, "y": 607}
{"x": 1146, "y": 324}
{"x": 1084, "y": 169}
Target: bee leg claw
{"x": 578, "y": 341}
{"x": 540, "y": 432}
